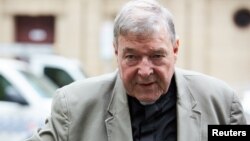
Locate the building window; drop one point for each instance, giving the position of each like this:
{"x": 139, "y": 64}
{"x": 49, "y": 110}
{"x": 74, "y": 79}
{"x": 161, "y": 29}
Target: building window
{"x": 38, "y": 29}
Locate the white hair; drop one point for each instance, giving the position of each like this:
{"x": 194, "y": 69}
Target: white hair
{"x": 143, "y": 18}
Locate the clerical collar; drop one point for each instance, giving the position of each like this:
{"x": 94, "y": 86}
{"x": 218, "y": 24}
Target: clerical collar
{"x": 157, "y": 121}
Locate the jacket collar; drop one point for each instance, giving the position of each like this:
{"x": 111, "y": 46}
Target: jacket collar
{"x": 118, "y": 121}
{"x": 188, "y": 111}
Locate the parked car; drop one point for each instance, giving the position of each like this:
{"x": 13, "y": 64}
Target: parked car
{"x": 25, "y": 100}
{"x": 59, "y": 69}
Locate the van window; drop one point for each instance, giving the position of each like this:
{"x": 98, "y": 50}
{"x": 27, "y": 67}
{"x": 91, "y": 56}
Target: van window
{"x": 58, "y": 76}
{"x": 9, "y": 93}
{"x": 40, "y": 85}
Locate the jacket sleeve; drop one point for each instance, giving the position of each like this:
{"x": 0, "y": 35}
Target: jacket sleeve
{"x": 237, "y": 113}
{"x": 57, "y": 125}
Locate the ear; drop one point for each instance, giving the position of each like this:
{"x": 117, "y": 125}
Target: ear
{"x": 176, "y": 48}
{"x": 115, "y": 48}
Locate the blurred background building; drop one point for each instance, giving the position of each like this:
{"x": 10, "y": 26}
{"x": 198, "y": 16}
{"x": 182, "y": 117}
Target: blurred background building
{"x": 214, "y": 34}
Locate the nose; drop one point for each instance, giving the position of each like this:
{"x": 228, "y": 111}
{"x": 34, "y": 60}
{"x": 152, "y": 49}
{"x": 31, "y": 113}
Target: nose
{"x": 145, "y": 68}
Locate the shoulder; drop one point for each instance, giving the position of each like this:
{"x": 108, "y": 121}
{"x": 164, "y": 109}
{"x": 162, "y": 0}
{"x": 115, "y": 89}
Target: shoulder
{"x": 202, "y": 81}
{"x": 90, "y": 97}
{"x": 204, "y": 87}
{"x": 92, "y": 83}
{"x": 93, "y": 89}
{"x": 214, "y": 96}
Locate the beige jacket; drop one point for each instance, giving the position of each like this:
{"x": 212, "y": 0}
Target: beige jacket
{"x": 96, "y": 109}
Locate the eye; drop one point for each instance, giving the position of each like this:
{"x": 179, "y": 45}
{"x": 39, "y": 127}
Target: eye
{"x": 131, "y": 57}
{"x": 157, "y": 56}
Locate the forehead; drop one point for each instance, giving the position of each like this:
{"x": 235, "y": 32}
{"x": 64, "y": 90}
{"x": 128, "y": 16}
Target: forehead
{"x": 132, "y": 40}
{"x": 145, "y": 46}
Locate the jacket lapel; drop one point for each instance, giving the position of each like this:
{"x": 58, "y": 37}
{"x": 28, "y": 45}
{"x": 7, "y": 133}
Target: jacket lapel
{"x": 118, "y": 123}
{"x": 188, "y": 112}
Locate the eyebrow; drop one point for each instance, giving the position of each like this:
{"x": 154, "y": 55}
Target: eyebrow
{"x": 128, "y": 49}
{"x": 155, "y": 51}
{"x": 159, "y": 51}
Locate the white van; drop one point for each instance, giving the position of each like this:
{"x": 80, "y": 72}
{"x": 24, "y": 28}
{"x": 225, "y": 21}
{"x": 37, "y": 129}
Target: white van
{"x": 59, "y": 69}
{"x": 25, "y": 100}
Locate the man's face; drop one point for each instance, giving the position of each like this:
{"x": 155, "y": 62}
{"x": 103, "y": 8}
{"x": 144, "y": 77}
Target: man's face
{"x": 146, "y": 66}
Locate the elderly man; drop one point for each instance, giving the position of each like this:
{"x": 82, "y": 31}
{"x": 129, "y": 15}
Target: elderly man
{"x": 147, "y": 98}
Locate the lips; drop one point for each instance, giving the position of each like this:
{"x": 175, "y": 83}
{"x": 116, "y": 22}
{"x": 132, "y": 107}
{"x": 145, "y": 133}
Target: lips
{"x": 146, "y": 84}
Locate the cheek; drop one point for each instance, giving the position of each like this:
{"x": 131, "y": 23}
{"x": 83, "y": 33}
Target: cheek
{"x": 128, "y": 74}
{"x": 164, "y": 75}
{"x": 129, "y": 78}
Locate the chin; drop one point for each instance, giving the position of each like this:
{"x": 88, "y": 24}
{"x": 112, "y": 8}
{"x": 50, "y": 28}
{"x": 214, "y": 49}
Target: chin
{"x": 148, "y": 100}
{"x": 147, "y": 103}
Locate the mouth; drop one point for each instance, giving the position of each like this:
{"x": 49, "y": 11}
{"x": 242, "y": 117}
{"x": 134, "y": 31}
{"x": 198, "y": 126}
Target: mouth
{"x": 146, "y": 84}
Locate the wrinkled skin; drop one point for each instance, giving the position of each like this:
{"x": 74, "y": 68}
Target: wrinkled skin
{"x": 146, "y": 65}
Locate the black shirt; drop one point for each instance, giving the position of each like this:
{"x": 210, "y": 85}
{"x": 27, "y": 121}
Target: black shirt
{"x": 155, "y": 122}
